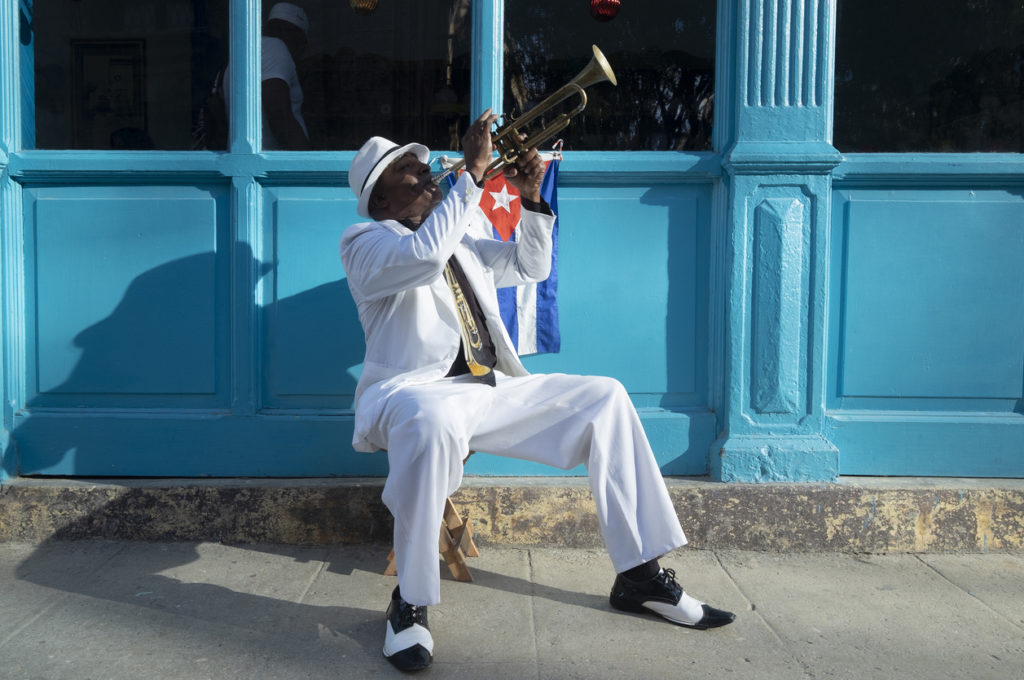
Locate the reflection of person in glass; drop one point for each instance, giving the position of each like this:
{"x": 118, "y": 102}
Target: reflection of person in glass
{"x": 441, "y": 378}
{"x": 284, "y": 39}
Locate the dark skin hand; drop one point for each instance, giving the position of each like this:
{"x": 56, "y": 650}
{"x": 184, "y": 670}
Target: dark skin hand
{"x": 404, "y": 192}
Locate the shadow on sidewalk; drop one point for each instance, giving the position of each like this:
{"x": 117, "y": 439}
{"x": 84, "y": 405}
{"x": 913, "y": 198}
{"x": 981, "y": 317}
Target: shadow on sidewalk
{"x": 311, "y": 605}
{"x": 266, "y": 606}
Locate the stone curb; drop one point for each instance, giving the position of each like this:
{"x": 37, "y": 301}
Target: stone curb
{"x": 855, "y": 515}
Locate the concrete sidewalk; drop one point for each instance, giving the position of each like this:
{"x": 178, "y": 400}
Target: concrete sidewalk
{"x": 118, "y": 609}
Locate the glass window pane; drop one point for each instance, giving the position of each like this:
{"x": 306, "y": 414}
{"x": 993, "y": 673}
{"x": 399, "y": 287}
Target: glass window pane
{"x": 946, "y": 76}
{"x": 395, "y": 68}
{"x": 663, "y": 55}
{"x": 109, "y": 74}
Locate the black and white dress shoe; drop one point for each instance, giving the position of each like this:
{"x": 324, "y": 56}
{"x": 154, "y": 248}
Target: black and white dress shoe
{"x": 661, "y": 595}
{"x": 407, "y": 642}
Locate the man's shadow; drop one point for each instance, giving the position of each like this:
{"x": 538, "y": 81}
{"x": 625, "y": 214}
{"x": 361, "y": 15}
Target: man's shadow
{"x": 165, "y": 348}
{"x": 150, "y": 578}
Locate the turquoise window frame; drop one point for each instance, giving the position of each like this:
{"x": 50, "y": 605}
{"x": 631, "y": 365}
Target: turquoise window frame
{"x": 247, "y": 172}
{"x": 244, "y": 156}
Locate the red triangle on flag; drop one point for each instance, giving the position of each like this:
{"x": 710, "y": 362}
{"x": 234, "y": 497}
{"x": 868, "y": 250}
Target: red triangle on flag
{"x": 501, "y": 204}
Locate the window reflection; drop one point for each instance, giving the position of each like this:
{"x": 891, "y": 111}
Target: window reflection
{"x": 108, "y": 74}
{"x": 284, "y": 39}
{"x": 953, "y": 84}
{"x": 285, "y": 36}
{"x": 399, "y": 69}
{"x": 662, "y": 53}
{"x": 114, "y": 75}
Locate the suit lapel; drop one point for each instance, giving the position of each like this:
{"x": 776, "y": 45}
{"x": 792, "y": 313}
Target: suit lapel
{"x": 445, "y": 302}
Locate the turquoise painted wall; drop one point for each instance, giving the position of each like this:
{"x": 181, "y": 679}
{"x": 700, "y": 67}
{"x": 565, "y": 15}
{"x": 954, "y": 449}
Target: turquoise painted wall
{"x": 926, "y": 309}
{"x": 778, "y": 312}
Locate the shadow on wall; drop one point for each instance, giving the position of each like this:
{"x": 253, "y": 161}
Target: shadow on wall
{"x": 165, "y": 357}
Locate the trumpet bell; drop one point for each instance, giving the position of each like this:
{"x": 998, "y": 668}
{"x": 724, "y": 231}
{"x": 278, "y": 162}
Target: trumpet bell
{"x": 598, "y": 70}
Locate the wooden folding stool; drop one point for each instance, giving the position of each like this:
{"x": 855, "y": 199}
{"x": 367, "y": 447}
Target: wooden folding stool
{"x": 455, "y": 544}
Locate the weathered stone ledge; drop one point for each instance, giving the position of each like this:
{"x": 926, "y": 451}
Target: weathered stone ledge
{"x": 854, "y": 515}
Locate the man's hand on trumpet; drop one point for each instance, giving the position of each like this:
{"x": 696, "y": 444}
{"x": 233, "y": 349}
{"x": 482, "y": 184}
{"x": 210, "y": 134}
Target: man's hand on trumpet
{"x": 477, "y": 147}
{"x": 527, "y": 174}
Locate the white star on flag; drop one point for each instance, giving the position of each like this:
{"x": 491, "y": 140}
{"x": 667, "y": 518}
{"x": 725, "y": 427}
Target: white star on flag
{"x": 503, "y": 199}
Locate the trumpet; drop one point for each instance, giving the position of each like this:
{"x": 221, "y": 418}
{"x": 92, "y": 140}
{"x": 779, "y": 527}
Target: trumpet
{"x": 512, "y": 140}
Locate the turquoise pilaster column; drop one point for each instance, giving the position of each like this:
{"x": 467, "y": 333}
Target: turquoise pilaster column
{"x": 10, "y": 235}
{"x": 488, "y": 64}
{"x": 246, "y": 26}
{"x": 775, "y": 75}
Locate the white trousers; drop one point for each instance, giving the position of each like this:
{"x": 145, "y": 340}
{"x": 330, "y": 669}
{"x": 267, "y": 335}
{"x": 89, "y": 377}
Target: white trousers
{"x": 556, "y": 419}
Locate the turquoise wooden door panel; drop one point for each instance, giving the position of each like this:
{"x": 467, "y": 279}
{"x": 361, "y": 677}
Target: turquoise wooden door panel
{"x": 927, "y": 332}
{"x": 312, "y": 341}
{"x": 141, "y": 307}
{"x": 128, "y": 288}
{"x": 632, "y": 299}
{"x": 166, "y": 340}
{"x": 633, "y": 305}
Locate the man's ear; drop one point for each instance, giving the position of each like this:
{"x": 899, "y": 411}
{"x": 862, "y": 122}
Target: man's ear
{"x": 376, "y": 204}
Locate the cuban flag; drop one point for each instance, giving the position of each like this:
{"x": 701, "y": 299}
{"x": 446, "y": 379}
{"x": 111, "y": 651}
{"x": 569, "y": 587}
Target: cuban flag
{"x": 530, "y": 312}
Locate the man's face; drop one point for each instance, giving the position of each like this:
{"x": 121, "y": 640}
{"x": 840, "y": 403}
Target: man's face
{"x": 404, "y": 191}
{"x": 295, "y": 39}
{"x": 293, "y": 36}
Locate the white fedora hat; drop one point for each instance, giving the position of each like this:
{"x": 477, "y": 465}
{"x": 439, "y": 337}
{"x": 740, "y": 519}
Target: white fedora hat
{"x": 293, "y": 14}
{"x": 376, "y": 154}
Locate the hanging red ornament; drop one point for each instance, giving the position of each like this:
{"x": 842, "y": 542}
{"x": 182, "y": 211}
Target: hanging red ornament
{"x": 604, "y": 10}
{"x": 363, "y": 6}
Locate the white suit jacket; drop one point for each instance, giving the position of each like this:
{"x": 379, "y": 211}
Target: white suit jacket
{"x": 405, "y": 306}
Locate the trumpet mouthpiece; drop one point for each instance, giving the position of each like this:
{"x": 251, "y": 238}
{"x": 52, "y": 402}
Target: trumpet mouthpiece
{"x": 443, "y": 161}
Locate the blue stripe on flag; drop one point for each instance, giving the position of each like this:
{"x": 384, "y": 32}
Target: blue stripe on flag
{"x": 549, "y": 339}
{"x": 509, "y": 310}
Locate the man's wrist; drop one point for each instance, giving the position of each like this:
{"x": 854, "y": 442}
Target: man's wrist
{"x": 538, "y": 206}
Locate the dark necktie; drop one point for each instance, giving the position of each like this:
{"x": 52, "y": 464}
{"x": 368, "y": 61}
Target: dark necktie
{"x": 477, "y": 348}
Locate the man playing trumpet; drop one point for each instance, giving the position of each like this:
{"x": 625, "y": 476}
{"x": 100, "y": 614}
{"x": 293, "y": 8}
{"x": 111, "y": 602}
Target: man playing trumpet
{"x": 441, "y": 378}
